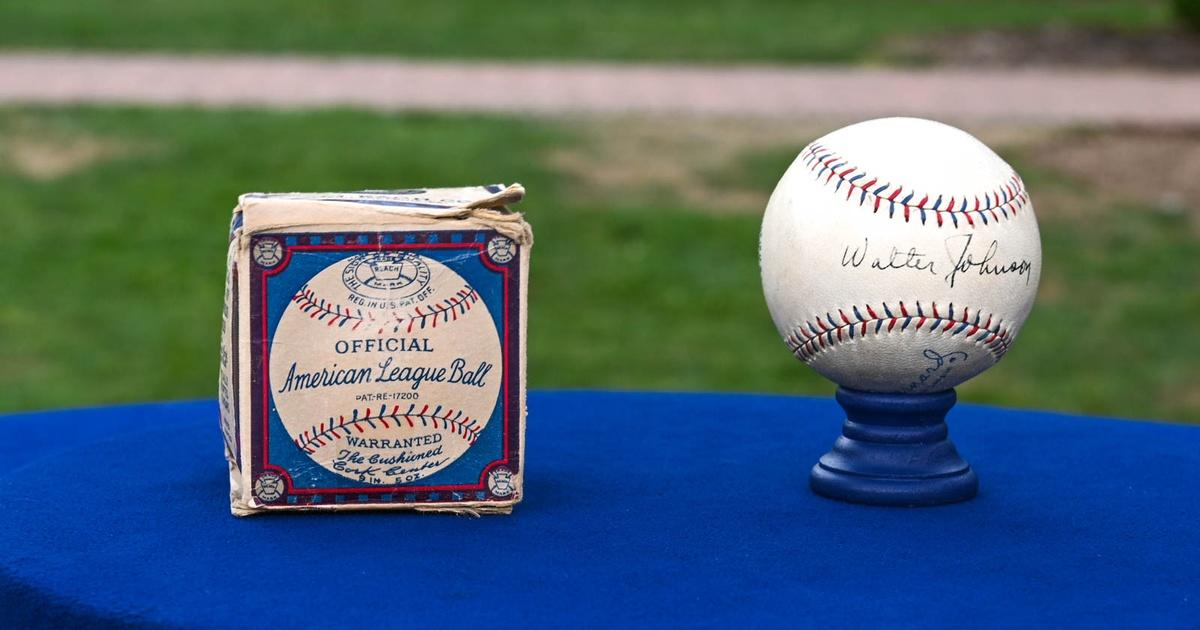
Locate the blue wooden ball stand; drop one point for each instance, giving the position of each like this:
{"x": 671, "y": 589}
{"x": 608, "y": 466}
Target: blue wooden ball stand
{"x": 894, "y": 450}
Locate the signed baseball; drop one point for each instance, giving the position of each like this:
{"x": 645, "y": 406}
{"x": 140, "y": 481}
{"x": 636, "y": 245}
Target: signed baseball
{"x": 899, "y": 255}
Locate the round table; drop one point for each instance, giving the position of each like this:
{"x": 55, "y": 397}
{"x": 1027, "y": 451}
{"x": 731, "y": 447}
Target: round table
{"x": 641, "y": 509}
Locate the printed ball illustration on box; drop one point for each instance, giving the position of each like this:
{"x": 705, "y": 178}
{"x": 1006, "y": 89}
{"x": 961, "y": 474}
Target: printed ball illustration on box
{"x": 899, "y": 256}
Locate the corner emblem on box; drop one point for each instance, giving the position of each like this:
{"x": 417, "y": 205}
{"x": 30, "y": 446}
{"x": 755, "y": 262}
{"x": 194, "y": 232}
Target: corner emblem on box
{"x": 500, "y": 482}
{"x": 269, "y": 487}
{"x": 396, "y": 274}
{"x": 500, "y": 249}
{"x": 268, "y": 252}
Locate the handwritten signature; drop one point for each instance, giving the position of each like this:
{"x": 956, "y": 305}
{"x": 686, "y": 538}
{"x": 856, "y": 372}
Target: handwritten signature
{"x": 959, "y": 256}
{"x": 897, "y": 259}
{"x": 966, "y": 261}
{"x": 938, "y": 370}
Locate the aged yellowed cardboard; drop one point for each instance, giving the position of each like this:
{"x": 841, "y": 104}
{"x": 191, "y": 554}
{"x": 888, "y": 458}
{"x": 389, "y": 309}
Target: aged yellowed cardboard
{"x": 373, "y": 351}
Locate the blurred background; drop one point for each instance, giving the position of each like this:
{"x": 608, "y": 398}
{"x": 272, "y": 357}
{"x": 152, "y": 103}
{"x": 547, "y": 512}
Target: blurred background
{"x": 115, "y": 191}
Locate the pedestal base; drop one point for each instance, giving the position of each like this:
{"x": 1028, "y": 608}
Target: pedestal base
{"x": 894, "y": 450}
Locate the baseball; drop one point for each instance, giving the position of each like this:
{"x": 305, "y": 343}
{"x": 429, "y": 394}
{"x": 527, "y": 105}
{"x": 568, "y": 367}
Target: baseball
{"x": 899, "y": 255}
{"x": 367, "y": 359}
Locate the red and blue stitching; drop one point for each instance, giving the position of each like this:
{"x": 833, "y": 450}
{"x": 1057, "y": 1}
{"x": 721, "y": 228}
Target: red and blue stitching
{"x": 811, "y": 337}
{"x": 445, "y": 311}
{"x": 332, "y": 314}
{"x": 340, "y": 427}
{"x": 1003, "y": 202}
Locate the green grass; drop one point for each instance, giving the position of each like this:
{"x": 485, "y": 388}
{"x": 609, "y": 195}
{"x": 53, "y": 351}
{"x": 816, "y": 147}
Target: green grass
{"x": 113, "y": 271}
{"x": 719, "y": 30}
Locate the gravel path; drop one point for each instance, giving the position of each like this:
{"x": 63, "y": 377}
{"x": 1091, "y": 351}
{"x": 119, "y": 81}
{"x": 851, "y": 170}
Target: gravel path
{"x": 1032, "y": 95}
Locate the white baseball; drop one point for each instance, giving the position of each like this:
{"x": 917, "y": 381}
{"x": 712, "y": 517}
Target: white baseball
{"x": 899, "y": 255}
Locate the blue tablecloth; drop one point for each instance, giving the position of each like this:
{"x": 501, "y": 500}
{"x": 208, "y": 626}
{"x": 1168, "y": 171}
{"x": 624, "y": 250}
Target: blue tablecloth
{"x": 682, "y": 510}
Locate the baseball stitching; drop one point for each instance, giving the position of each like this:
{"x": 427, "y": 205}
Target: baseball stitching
{"x": 810, "y": 338}
{"x": 335, "y": 429}
{"x": 1004, "y": 201}
{"x": 335, "y": 314}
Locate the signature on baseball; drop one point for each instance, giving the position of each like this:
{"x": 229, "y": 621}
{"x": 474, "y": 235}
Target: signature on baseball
{"x": 939, "y": 367}
{"x": 961, "y": 258}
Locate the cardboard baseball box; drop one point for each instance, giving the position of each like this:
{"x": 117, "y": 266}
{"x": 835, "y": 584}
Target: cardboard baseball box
{"x": 373, "y": 351}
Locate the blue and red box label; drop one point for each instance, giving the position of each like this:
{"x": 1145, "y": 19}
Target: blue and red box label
{"x": 383, "y": 369}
